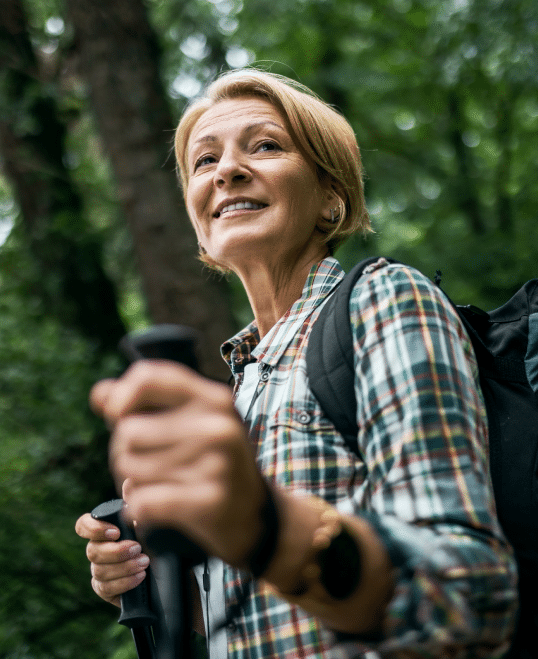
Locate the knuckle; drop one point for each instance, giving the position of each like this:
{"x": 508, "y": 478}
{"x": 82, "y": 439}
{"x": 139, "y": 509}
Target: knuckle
{"x": 83, "y": 526}
{"x": 218, "y": 468}
{"x": 105, "y": 589}
{"x": 127, "y": 430}
{"x": 79, "y": 526}
{"x": 98, "y": 588}
{"x": 222, "y": 398}
{"x": 215, "y": 496}
{"x": 91, "y": 552}
{"x": 139, "y": 370}
{"x": 143, "y": 373}
{"x": 98, "y": 572}
{"x": 229, "y": 429}
{"x": 103, "y": 552}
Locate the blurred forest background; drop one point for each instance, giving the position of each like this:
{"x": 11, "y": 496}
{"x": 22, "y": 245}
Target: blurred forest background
{"x": 443, "y": 96}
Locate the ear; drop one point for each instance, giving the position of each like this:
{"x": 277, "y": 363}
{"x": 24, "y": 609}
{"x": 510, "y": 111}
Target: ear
{"x": 331, "y": 205}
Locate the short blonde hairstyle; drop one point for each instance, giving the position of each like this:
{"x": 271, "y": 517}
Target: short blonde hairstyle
{"x": 324, "y": 136}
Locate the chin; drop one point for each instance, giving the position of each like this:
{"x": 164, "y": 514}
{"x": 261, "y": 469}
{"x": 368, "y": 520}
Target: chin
{"x": 244, "y": 245}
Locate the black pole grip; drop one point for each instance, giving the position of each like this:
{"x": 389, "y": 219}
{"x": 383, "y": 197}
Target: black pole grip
{"x": 135, "y": 603}
{"x": 174, "y": 342}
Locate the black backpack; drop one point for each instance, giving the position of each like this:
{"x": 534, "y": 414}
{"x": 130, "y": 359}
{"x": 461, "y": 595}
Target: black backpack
{"x": 506, "y": 346}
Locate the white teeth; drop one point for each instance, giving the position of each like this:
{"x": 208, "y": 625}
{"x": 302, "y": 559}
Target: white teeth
{"x": 240, "y": 206}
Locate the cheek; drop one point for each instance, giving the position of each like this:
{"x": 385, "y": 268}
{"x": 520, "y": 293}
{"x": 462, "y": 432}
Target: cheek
{"x": 191, "y": 198}
{"x": 199, "y": 229}
{"x": 195, "y": 202}
{"x": 307, "y": 196}
{"x": 195, "y": 221}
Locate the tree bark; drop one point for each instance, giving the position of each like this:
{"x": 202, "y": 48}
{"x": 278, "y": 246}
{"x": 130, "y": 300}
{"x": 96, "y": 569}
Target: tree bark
{"x": 70, "y": 279}
{"x": 119, "y": 58}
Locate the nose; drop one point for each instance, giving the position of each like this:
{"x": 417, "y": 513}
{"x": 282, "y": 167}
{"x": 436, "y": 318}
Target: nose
{"x": 231, "y": 168}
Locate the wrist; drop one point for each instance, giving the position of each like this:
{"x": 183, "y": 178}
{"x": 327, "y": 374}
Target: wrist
{"x": 317, "y": 557}
{"x": 303, "y": 572}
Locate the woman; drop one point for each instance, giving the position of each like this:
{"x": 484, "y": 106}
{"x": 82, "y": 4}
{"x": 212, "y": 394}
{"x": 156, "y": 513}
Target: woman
{"x": 273, "y": 183}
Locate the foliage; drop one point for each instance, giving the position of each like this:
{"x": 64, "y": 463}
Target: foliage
{"x": 442, "y": 96}
{"x": 46, "y": 477}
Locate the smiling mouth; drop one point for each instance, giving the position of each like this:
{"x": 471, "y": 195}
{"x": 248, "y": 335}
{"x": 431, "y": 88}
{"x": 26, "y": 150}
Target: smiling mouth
{"x": 240, "y": 205}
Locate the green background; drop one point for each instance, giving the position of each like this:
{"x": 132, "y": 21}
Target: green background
{"x": 443, "y": 98}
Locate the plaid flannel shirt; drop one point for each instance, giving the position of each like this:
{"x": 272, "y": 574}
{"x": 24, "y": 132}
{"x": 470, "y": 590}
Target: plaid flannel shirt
{"x": 422, "y": 480}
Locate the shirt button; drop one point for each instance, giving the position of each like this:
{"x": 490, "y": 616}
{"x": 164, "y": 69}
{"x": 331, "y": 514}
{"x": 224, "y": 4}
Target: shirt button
{"x": 304, "y": 417}
{"x": 264, "y": 376}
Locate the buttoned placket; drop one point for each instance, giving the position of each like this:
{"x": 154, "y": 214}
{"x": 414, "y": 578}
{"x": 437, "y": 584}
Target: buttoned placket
{"x": 264, "y": 371}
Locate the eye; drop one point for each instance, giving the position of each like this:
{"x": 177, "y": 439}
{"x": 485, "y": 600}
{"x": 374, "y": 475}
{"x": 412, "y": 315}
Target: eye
{"x": 204, "y": 160}
{"x": 268, "y": 146}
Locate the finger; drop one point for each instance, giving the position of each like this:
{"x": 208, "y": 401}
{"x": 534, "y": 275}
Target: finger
{"x": 115, "y": 571}
{"x": 145, "y": 433}
{"x": 111, "y": 590}
{"x": 96, "y": 530}
{"x": 148, "y": 384}
{"x": 112, "y": 552}
{"x": 212, "y": 470}
{"x": 152, "y": 384}
{"x": 174, "y": 447}
{"x": 184, "y": 431}
{"x": 99, "y": 394}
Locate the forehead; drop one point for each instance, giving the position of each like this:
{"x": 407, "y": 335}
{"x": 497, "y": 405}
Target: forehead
{"x": 235, "y": 115}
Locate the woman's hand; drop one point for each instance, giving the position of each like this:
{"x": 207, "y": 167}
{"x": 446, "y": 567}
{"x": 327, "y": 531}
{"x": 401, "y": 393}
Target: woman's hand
{"x": 116, "y": 567}
{"x": 178, "y": 439}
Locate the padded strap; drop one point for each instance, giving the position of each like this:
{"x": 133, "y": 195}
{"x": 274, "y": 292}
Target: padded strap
{"x": 329, "y": 359}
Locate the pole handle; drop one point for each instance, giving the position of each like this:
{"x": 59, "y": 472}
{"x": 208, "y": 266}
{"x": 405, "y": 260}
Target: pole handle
{"x": 135, "y": 603}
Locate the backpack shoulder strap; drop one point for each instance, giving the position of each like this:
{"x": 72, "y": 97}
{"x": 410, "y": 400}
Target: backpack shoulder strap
{"x": 329, "y": 358}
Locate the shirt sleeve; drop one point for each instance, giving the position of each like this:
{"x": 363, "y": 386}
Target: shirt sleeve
{"x": 423, "y": 437}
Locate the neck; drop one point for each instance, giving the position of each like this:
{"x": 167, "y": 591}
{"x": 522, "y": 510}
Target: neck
{"x": 271, "y": 291}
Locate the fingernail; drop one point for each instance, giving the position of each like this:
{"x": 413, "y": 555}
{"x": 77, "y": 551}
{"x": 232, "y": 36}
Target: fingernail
{"x": 135, "y": 550}
{"x": 143, "y": 561}
{"x": 112, "y": 533}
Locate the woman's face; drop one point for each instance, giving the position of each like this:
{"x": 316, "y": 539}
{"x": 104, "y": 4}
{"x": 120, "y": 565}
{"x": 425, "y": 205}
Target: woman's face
{"x": 252, "y": 196}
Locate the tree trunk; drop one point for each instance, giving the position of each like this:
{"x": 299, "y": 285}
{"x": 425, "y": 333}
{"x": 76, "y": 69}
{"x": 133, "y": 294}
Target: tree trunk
{"x": 119, "y": 58}
{"x": 70, "y": 280}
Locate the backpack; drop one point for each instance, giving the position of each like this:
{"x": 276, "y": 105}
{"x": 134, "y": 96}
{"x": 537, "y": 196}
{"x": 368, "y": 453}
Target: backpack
{"x": 505, "y": 342}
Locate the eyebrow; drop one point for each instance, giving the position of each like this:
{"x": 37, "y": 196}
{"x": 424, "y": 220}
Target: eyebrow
{"x": 248, "y": 129}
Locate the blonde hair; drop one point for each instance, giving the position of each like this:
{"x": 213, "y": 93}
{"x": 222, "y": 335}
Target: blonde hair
{"x": 321, "y": 132}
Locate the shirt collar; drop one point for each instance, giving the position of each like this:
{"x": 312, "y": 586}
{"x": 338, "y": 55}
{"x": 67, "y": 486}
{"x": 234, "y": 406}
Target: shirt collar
{"x": 246, "y": 346}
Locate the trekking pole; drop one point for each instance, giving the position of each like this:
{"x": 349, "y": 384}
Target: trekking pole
{"x": 136, "y": 612}
{"x": 173, "y": 555}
